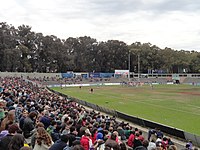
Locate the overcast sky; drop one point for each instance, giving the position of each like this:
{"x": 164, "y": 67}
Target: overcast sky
{"x": 165, "y": 23}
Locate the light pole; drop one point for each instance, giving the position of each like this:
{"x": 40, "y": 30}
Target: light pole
{"x": 138, "y": 67}
{"x": 129, "y": 65}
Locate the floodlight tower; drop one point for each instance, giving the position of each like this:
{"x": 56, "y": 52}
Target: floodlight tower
{"x": 138, "y": 67}
{"x": 129, "y": 65}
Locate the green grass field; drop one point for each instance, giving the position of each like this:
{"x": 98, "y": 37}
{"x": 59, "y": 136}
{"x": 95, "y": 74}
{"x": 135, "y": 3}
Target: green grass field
{"x": 174, "y": 105}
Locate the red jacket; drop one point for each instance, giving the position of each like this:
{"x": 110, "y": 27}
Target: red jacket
{"x": 141, "y": 138}
{"x": 130, "y": 140}
{"x": 85, "y": 142}
{"x": 93, "y": 138}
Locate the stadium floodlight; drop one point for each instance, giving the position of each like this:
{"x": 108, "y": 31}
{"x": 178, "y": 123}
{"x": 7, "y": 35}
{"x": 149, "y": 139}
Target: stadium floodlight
{"x": 129, "y": 65}
{"x": 138, "y": 67}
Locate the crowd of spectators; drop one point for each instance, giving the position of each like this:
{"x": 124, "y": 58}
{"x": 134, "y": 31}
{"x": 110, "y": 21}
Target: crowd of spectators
{"x": 74, "y": 80}
{"x": 32, "y": 118}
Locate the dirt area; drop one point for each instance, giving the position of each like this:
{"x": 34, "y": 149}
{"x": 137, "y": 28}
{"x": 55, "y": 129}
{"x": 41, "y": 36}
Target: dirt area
{"x": 190, "y": 93}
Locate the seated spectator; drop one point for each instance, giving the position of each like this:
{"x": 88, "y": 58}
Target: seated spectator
{"x": 127, "y": 132}
{"x": 22, "y": 118}
{"x": 25, "y": 148}
{"x": 12, "y": 130}
{"x": 3, "y": 133}
{"x": 143, "y": 146}
{"x": 33, "y": 137}
{"x": 111, "y": 143}
{"x": 165, "y": 142}
{"x": 152, "y": 144}
{"x": 145, "y": 143}
{"x": 72, "y": 135}
{"x": 172, "y": 147}
{"x": 99, "y": 135}
{"x": 137, "y": 141}
{"x": 45, "y": 119}
{"x": 78, "y": 147}
{"x": 43, "y": 140}
{"x": 131, "y": 139}
{"x": 86, "y": 142}
{"x": 61, "y": 143}
{"x": 94, "y": 135}
{"x": 9, "y": 119}
{"x": 16, "y": 142}
{"x": 170, "y": 142}
{"x": 52, "y": 127}
{"x": 29, "y": 125}
{"x": 55, "y": 135}
{"x": 141, "y": 137}
{"x": 123, "y": 146}
{"x": 66, "y": 130}
{"x": 189, "y": 145}
{"x": 121, "y": 132}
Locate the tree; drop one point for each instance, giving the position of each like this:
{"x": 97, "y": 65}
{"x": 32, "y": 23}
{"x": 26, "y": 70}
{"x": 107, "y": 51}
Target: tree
{"x": 24, "y": 50}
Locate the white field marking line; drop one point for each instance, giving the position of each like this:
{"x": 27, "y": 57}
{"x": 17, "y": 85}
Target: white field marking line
{"x": 143, "y": 102}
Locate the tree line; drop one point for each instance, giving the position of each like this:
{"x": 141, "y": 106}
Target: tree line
{"x": 24, "y": 50}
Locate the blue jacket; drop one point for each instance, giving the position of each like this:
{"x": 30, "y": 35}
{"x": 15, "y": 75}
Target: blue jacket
{"x": 46, "y": 121}
{"x": 58, "y": 145}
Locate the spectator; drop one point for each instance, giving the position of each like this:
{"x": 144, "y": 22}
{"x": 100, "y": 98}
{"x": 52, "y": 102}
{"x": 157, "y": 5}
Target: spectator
{"x": 52, "y": 127}
{"x": 25, "y": 148}
{"x": 172, "y": 147}
{"x": 123, "y": 146}
{"x": 5, "y": 132}
{"x": 131, "y": 139}
{"x": 151, "y": 132}
{"x": 165, "y": 142}
{"x": 189, "y": 145}
{"x": 94, "y": 135}
{"x": 9, "y": 119}
{"x": 67, "y": 127}
{"x": 86, "y": 142}
{"x": 4, "y": 142}
{"x": 152, "y": 144}
{"x": 145, "y": 143}
{"x": 159, "y": 134}
{"x": 29, "y": 125}
{"x": 18, "y": 111}
{"x": 2, "y": 106}
{"x": 61, "y": 143}
{"x": 33, "y": 137}
{"x": 127, "y": 132}
{"x": 45, "y": 119}
{"x": 22, "y": 118}
{"x": 43, "y": 140}
{"x": 72, "y": 135}
{"x": 55, "y": 135}
{"x": 78, "y": 147}
{"x": 137, "y": 141}
{"x": 99, "y": 135}
{"x": 16, "y": 142}
{"x": 141, "y": 137}
{"x": 143, "y": 146}
{"x": 121, "y": 132}
{"x": 111, "y": 143}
